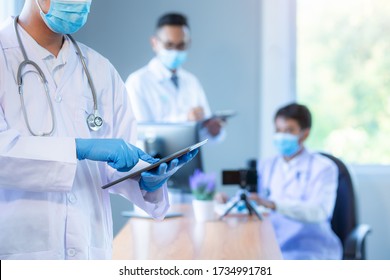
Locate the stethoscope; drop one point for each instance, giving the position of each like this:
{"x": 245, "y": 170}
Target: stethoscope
{"x": 94, "y": 120}
{"x": 267, "y": 191}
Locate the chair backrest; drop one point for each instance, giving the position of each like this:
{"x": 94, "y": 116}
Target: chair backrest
{"x": 344, "y": 214}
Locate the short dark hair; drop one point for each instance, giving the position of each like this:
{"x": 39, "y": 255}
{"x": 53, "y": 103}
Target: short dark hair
{"x": 297, "y": 112}
{"x": 172, "y": 19}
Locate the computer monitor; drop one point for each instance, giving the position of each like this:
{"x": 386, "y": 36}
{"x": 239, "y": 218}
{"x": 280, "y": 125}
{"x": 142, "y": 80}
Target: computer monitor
{"x": 162, "y": 139}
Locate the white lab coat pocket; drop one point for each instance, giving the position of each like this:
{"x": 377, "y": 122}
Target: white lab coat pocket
{"x": 84, "y": 109}
{"x": 25, "y": 225}
{"x": 99, "y": 253}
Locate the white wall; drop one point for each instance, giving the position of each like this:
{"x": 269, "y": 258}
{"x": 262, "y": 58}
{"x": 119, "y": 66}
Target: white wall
{"x": 277, "y": 60}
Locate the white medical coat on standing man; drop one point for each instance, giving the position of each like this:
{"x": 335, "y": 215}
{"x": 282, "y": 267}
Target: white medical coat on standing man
{"x": 164, "y": 92}
{"x": 52, "y": 205}
{"x": 156, "y": 99}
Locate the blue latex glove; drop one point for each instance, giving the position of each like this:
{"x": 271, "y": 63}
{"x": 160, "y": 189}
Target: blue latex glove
{"x": 116, "y": 152}
{"x": 154, "y": 179}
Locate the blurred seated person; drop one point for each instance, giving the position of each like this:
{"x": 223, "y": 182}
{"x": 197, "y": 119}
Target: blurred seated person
{"x": 299, "y": 187}
{"x": 162, "y": 91}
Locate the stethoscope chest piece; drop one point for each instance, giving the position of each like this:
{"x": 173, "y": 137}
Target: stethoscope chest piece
{"x": 94, "y": 121}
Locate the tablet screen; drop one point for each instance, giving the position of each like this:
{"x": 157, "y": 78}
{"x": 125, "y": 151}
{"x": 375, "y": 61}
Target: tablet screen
{"x": 155, "y": 165}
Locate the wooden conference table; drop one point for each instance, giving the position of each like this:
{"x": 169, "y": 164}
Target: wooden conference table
{"x": 239, "y": 237}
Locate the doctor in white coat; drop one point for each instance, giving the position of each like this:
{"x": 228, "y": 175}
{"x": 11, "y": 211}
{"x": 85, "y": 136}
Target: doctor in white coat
{"x": 164, "y": 92}
{"x": 300, "y": 188}
{"x": 53, "y": 161}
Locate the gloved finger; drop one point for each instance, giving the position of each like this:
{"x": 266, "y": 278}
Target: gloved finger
{"x": 173, "y": 164}
{"x": 126, "y": 158}
{"x": 150, "y": 185}
{"x": 130, "y": 159}
{"x": 188, "y": 156}
{"x": 162, "y": 169}
{"x": 155, "y": 172}
{"x": 192, "y": 154}
{"x": 145, "y": 157}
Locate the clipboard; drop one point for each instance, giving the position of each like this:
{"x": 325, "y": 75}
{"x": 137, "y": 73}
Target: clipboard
{"x": 155, "y": 165}
{"x": 223, "y": 115}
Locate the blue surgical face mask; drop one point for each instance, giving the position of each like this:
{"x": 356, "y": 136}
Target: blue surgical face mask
{"x": 66, "y": 17}
{"x": 172, "y": 59}
{"x": 287, "y": 144}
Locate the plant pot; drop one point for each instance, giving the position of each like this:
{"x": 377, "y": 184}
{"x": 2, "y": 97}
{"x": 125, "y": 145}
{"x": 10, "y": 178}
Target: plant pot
{"x": 203, "y": 210}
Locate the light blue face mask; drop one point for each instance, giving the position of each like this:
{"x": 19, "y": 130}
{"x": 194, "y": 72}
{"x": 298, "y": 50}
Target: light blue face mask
{"x": 172, "y": 59}
{"x": 66, "y": 17}
{"x": 287, "y": 144}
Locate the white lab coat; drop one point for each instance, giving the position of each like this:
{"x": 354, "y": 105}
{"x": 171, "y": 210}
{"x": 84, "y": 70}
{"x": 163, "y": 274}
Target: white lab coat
{"x": 304, "y": 191}
{"x": 156, "y": 99}
{"x": 52, "y": 205}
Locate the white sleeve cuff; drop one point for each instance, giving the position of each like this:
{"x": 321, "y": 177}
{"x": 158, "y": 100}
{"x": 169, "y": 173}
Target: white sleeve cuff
{"x": 304, "y": 213}
{"x": 39, "y": 164}
{"x": 156, "y": 203}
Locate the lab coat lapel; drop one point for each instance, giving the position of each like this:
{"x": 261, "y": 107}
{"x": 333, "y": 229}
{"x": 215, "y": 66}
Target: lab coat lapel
{"x": 37, "y": 55}
{"x": 303, "y": 166}
{"x": 294, "y": 177}
{"x": 288, "y": 172}
{"x": 163, "y": 75}
{"x": 300, "y": 175}
{"x": 34, "y": 53}
{"x": 70, "y": 68}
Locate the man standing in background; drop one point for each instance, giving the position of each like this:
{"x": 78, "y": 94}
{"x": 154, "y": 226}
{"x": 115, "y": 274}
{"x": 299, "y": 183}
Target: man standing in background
{"x": 162, "y": 91}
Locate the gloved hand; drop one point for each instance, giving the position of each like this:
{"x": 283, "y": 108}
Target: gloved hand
{"x": 154, "y": 179}
{"x": 116, "y": 152}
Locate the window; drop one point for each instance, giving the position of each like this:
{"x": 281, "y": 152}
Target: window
{"x": 343, "y": 75}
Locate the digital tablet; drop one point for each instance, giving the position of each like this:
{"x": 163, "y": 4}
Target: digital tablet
{"x": 223, "y": 115}
{"x": 135, "y": 214}
{"x": 155, "y": 165}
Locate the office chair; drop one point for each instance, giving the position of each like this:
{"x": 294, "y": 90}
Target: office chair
{"x": 344, "y": 221}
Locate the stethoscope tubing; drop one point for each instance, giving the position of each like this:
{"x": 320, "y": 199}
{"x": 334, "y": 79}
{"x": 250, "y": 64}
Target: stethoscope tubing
{"x": 272, "y": 172}
{"x": 19, "y": 79}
